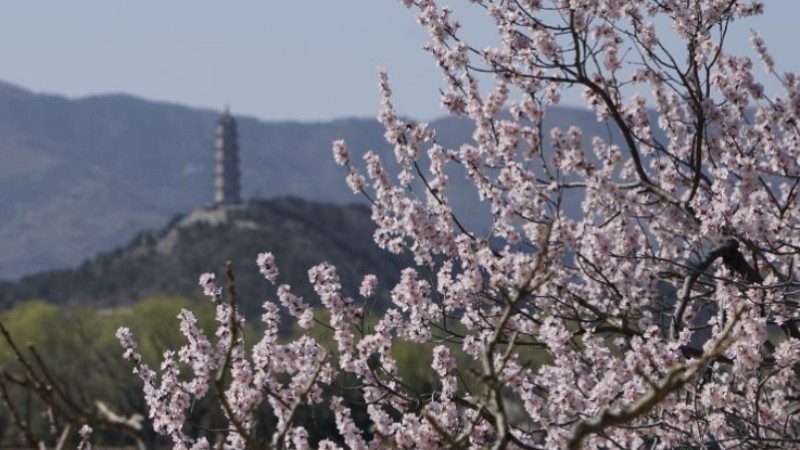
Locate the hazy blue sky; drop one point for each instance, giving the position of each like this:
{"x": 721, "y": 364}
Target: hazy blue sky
{"x": 274, "y": 59}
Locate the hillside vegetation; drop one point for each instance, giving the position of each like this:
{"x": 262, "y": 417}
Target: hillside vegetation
{"x": 168, "y": 262}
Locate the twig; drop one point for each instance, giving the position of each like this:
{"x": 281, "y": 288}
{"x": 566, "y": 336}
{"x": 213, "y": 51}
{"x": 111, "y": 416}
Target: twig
{"x": 732, "y": 257}
{"x": 15, "y": 417}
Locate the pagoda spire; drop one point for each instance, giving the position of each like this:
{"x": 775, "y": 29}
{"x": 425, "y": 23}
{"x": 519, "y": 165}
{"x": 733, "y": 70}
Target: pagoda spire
{"x": 227, "y": 186}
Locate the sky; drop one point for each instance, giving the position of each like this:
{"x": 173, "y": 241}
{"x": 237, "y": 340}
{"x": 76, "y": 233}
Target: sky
{"x": 307, "y": 60}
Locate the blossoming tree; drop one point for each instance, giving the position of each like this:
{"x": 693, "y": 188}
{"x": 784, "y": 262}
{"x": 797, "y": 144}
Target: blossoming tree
{"x": 660, "y": 313}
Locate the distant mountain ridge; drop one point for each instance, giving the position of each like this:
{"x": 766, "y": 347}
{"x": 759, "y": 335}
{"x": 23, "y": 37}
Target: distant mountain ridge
{"x": 82, "y": 176}
{"x": 169, "y": 260}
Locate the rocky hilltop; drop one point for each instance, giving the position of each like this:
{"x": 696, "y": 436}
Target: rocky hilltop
{"x": 168, "y": 261}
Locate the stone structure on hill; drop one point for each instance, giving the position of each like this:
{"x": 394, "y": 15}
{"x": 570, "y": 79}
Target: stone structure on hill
{"x": 227, "y": 185}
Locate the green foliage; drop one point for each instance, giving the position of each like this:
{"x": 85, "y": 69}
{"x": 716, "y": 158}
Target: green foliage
{"x": 80, "y": 352}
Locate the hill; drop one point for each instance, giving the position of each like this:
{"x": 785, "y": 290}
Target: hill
{"x": 81, "y": 176}
{"x": 168, "y": 261}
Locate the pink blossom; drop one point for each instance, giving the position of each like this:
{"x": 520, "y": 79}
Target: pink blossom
{"x": 209, "y": 288}
{"x": 368, "y": 285}
{"x": 340, "y": 153}
{"x": 85, "y": 433}
{"x": 267, "y": 267}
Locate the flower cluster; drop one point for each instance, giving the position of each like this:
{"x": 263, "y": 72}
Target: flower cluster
{"x": 635, "y": 288}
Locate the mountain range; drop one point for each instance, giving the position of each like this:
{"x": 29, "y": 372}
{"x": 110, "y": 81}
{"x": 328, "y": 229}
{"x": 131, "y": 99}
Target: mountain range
{"x": 83, "y": 176}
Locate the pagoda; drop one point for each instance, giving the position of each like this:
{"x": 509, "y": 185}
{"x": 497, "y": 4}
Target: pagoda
{"x": 227, "y": 185}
